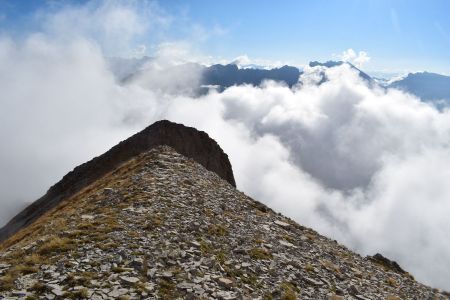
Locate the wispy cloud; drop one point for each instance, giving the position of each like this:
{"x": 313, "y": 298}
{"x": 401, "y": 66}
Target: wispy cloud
{"x": 395, "y": 21}
{"x": 245, "y": 61}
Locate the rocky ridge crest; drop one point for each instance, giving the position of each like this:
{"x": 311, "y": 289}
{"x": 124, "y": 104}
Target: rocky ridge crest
{"x": 161, "y": 226}
{"x": 186, "y": 140}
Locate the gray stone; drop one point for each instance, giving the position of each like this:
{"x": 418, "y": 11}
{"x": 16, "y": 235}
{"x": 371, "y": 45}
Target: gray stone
{"x": 225, "y": 282}
{"x": 57, "y": 291}
{"x": 313, "y": 281}
{"x": 185, "y": 285}
{"x": 128, "y": 280}
{"x": 282, "y": 224}
{"x": 167, "y": 274}
{"x": 287, "y": 244}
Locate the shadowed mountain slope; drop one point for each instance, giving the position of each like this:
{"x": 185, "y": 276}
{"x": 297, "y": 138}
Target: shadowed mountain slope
{"x": 425, "y": 85}
{"x": 229, "y": 75}
{"x": 186, "y": 140}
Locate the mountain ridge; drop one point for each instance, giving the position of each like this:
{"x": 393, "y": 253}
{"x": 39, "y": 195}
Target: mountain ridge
{"x": 188, "y": 141}
{"x": 430, "y": 87}
{"x": 161, "y": 226}
{"x": 425, "y": 85}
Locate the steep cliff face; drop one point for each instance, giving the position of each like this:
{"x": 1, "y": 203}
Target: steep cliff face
{"x": 187, "y": 141}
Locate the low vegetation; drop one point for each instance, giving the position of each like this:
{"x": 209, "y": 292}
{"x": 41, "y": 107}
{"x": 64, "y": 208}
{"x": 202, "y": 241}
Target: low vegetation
{"x": 260, "y": 253}
{"x": 56, "y": 245}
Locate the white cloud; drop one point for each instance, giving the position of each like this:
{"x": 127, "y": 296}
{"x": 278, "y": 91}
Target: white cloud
{"x": 357, "y": 59}
{"x": 140, "y": 51}
{"x": 244, "y": 61}
{"x": 363, "y": 165}
{"x": 395, "y": 20}
{"x": 118, "y": 27}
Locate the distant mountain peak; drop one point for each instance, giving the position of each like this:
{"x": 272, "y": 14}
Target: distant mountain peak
{"x": 328, "y": 64}
{"x": 426, "y": 85}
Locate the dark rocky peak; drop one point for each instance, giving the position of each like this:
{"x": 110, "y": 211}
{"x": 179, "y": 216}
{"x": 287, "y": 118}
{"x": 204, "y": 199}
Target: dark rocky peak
{"x": 387, "y": 263}
{"x": 328, "y": 64}
{"x": 187, "y": 141}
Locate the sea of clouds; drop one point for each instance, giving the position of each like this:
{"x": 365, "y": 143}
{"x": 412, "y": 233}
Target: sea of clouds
{"x": 366, "y": 166}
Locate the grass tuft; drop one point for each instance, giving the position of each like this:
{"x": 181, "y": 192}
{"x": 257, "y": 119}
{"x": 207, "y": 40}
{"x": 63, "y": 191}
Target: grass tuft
{"x": 260, "y": 253}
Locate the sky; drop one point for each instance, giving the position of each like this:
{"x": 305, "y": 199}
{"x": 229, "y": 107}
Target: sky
{"x": 399, "y": 36}
{"x": 363, "y": 165}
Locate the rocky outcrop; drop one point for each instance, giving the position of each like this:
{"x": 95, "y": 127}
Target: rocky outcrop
{"x": 188, "y": 141}
{"x": 389, "y": 264}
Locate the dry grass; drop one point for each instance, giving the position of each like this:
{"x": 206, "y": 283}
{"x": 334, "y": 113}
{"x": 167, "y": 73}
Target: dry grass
{"x": 217, "y": 230}
{"x": 331, "y": 266}
{"x": 205, "y": 247}
{"x": 108, "y": 246}
{"x": 40, "y": 288}
{"x": 56, "y": 245}
{"x": 289, "y": 239}
{"x": 119, "y": 270}
{"x": 335, "y": 297}
{"x": 234, "y": 216}
{"x": 34, "y": 259}
{"x": 220, "y": 257}
{"x": 7, "y": 282}
{"x": 391, "y": 281}
{"x": 309, "y": 267}
{"x": 288, "y": 291}
{"x": 260, "y": 253}
{"x": 23, "y": 270}
{"x": 80, "y": 279}
{"x": 154, "y": 222}
{"x": 167, "y": 290}
{"x": 56, "y": 218}
{"x": 311, "y": 237}
{"x": 83, "y": 226}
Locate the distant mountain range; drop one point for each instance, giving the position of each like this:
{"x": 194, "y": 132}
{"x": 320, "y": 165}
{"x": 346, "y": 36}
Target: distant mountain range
{"x": 429, "y": 87}
{"x": 215, "y": 76}
{"x": 229, "y": 75}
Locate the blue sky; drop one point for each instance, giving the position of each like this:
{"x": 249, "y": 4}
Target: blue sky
{"x": 397, "y": 35}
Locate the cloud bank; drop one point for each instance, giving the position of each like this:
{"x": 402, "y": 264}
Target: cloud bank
{"x": 366, "y": 166}
{"x": 357, "y": 59}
